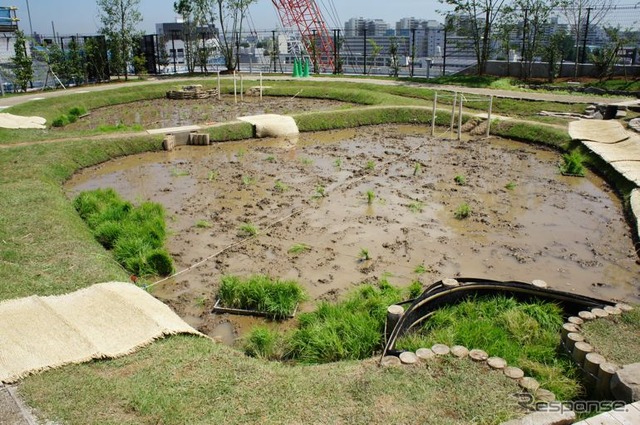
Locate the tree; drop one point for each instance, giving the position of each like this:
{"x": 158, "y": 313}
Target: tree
{"x": 119, "y": 19}
{"x": 393, "y": 53}
{"x": 579, "y": 15}
{"x": 376, "y": 49}
{"x": 75, "y": 60}
{"x": 557, "y": 49}
{"x": 479, "y": 17}
{"x": 22, "y": 62}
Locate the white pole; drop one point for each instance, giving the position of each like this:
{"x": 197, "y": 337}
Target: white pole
{"x": 235, "y": 87}
{"x": 453, "y": 112}
{"x": 219, "y": 92}
{"x": 260, "y": 86}
{"x": 489, "y": 115}
{"x": 241, "y": 89}
{"x": 460, "y": 117}
{"x": 433, "y": 117}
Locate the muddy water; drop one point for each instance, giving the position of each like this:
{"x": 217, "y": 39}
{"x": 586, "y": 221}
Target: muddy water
{"x": 570, "y": 232}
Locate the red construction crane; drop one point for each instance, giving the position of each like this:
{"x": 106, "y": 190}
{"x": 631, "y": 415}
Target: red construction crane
{"x": 306, "y": 16}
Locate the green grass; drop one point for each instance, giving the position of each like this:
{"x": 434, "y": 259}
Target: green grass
{"x": 189, "y": 380}
{"x": 135, "y": 234}
{"x": 463, "y": 211}
{"x": 417, "y": 169}
{"x": 280, "y": 187}
{"x": 526, "y": 335}
{"x": 177, "y": 172}
{"x": 617, "y": 338}
{"x": 420, "y": 269}
{"x": 415, "y": 289}
{"x": 371, "y": 196}
{"x": 370, "y": 165}
{"x": 510, "y": 186}
{"x": 203, "y": 224}
{"x": 460, "y": 180}
{"x": 248, "y": 229}
{"x": 416, "y": 206}
{"x": 364, "y": 254}
{"x": 277, "y": 298}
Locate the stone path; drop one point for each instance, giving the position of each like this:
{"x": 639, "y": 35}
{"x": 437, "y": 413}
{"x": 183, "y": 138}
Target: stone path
{"x": 629, "y": 415}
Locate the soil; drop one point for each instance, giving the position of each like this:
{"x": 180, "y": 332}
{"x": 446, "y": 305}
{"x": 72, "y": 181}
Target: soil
{"x": 163, "y": 113}
{"x": 570, "y": 232}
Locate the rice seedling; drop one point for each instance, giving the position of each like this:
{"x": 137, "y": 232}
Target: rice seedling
{"x": 573, "y": 164}
{"x": 460, "y": 180}
{"x": 371, "y": 196}
{"x": 510, "y": 186}
{"x": 306, "y": 161}
{"x": 463, "y": 211}
{"x": 264, "y": 343}
{"x": 337, "y": 163}
{"x": 241, "y": 153}
{"x": 277, "y": 298}
{"x": 527, "y": 335}
{"x": 415, "y": 289}
{"x": 177, "y": 172}
{"x": 248, "y": 229}
{"x": 203, "y": 224}
{"x": 248, "y": 180}
{"x": 370, "y": 166}
{"x": 270, "y": 158}
{"x": 280, "y": 187}
{"x": 420, "y": 269}
{"x": 213, "y": 175}
{"x": 320, "y": 192}
{"x": 201, "y": 301}
{"x": 364, "y": 254}
{"x": 299, "y": 248}
{"x": 416, "y": 207}
{"x": 136, "y": 235}
{"x": 417, "y": 169}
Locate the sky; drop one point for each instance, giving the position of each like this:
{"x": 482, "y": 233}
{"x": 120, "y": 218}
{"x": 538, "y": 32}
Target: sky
{"x": 81, "y": 16}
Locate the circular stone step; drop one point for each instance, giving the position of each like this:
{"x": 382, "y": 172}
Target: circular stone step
{"x": 441, "y": 349}
{"x": 459, "y": 351}
{"x": 425, "y": 353}
{"x": 586, "y": 315}
{"x": 478, "y": 355}
{"x": 529, "y": 384}
{"x": 513, "y": 372}
{"x": 390, "y": 361}
{"x": 408, "y": 358}
{"x": 496, "y": 363}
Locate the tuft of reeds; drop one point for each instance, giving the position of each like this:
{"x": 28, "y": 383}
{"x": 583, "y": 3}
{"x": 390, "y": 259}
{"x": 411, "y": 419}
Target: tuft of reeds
{"x": 277, "y": 298}
{"x": 417, "y": 168}
{"x": 248, "y": 229}
{"x": 463, "y": 211}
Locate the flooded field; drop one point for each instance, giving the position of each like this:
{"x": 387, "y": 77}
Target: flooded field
{"x": 527, "y": 221}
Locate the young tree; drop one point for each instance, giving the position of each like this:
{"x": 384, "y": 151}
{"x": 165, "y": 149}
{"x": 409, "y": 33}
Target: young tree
{"x": 75, "y": 62}
{"x": 393, "y": 53}
{"x": 119, "y": 19}
{"x": 579, "y": 14}
{"x": 480, "y": 16}
{"x": 22, "y": 62}
{"x": 376, "y": 49}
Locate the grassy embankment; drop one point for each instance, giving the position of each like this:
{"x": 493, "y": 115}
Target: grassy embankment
{"x": 617, "y": 338}
{"x": 45, "y": 248}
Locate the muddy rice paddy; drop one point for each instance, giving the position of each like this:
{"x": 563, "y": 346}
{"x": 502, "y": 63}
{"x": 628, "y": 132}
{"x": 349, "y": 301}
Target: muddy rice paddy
{"x": 570, "y": 232}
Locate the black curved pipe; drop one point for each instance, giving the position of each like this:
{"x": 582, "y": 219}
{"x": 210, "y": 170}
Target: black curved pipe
{"x": 438, "y": 295}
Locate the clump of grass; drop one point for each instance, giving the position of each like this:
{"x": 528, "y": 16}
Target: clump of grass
{"x": 320, "y": 192}
{"x": 277, "y": 298}
{"x": 176, "y": 172}
{"x": 77, "y": 111}
{"x": 110, "y": 128}
{"x": 70, "y": 117}
{"x": 241, "y": 153}
{"x": 510, "y": 186}
{"x": 264, "y": 343}
{"x": 213, "y": 175}
{"x": 60, "y": 121}
{"x": 364, "y": 254}
{"x": 203, "y": 224}
{"x": 460, "y": 180}
{"x": 299, "y": 248}
{"x": 306, "y": 161}
{"x": 270, "y": 158}
{"x": 463, "y": 211}
{"x": 370, "y": 165}
{"x": 371, "y": 196}
{"x": 526, "y": 335}
{"x": 420, "y": 269}
{"x": 417, "y": 169}
{"x": 280, "y": 187}
{"x": 416, "y": 207}
{"x": 349, "y": 330}
{"x": 415, "y": 289}
{"x": 572, "y": 165}
{"x": 337, "y": 163}
{"x": 248, "y": 229}
{"x": 135, "y": 234}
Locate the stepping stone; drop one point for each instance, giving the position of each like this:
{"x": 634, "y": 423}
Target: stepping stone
{"x": 513, "y": 372}
{"x": 540, "y": 284}
{"x": 624, "y": 307}
{"x": 599, "y": 313}
{"x": 441, "y": 349}
{"x": 614, "y": 311}
{"x": 496, "y": 363}
{"x": 574, "y": 320}
{"x": 478, "y": 355}
{"x": 450, "y": 283}
{"x": 408, "y": 358}
{"x": 529, "y": 384}
{"x": 625, "y": 384}
{"x": 390, "y": 361}
{"x": 459, "y": 351}
{"x": 586, "y": 315}
{"x": 545, "y": 396}
{"x": 425, "y": 354}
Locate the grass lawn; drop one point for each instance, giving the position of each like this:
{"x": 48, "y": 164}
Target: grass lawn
{"x": 46, "y": 248}
{"x": 617, "y": 338}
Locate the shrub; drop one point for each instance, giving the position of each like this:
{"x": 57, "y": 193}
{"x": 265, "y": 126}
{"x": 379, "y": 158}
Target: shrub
{"x": 77, "y": 111}
{"x": 61, "y": 121}
{"x": 572, "y": 164}
{"x": 276, "y": 298}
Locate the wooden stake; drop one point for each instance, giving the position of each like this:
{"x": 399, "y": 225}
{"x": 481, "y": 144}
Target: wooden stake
{"x": 433, "y": 117}
{"x": 460, "y": 117}
{"x": 580, "y": 351}
{"x": 453, "y": 112}
{"x": 241, "y": 88}
{"x": 571, "y": 341}
{"x": 390, "y": 361}
{"x": 408, "y": 357}
{"x": 261, "y": 86}
{"x": 592, "y": 362}
{"x": 394, "y": 313}
{"x": 219, "y": 90}
{"x": 459, "y": 351}
{"x": 478, "y": 355}
{"x": 496, "y": 363}
{"x": 489, "y": 115}
{"x": 605, "y": 373}
{"x": 235, "y": 88}
{"x": 441, "y": 349}
{"x": 568, "y": 328}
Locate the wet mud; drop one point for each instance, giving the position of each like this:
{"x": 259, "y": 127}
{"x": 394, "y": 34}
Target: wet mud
{"x": 570, "y": 232}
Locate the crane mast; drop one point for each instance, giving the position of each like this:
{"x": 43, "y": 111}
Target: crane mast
{"x": 306, "y": 16}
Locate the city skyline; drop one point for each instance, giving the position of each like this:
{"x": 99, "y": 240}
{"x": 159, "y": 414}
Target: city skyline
{"x": 262, "y": 15}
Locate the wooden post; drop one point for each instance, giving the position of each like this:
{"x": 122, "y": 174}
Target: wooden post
{"x": 571, "y": 341}
{"x": 394, "y": 313}
{"x": 489, "y": 115}
{"x": 453, "y": 112}
{"x": 580, "y": 351}
{"x": 586, "y": 315}
{"x": 219, "y": 88}
{"x": 540, "y": 284}
{"x": 568, "y": 328}
{"x": 575, "y": 320}
{"x": 605, "y": 373}
{"x": 390, "y": 361}
{"x": 433, "y": 117}
{"x": 260, "y": 86}
{"x": 450, "y": 283}
{"x": 599, "y": 312}
{"x": 241, "y": 88}
{"x": 592, "y": 362}
{"x": 460, "y": 117}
